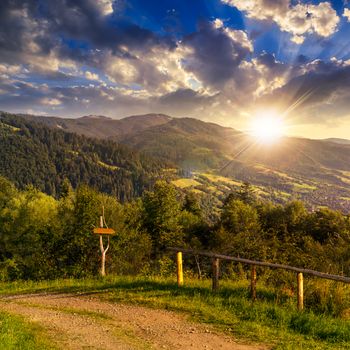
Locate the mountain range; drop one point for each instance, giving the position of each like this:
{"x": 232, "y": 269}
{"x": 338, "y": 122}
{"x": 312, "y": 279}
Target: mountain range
{"x": 210, "y": 156}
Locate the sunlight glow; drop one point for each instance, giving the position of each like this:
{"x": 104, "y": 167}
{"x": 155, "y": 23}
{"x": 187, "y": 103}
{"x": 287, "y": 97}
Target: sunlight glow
{"x": 267, "y": 127}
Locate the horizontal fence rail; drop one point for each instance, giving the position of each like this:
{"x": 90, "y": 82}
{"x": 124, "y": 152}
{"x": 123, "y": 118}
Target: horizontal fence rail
{"x": 261, "y": 263}
{"x": 215, "y": 267}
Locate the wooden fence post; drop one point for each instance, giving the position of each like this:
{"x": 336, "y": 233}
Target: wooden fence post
{"x": 215, "y": 274}
{"x": 180, "y": 276}
{"x": 253, "y": 283}
{"x": 300, "y": 292}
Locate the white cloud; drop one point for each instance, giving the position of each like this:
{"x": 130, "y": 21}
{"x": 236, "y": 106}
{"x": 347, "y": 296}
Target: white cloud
{"x": 153, "y": 70}
{"x": 239, "y": 36}
{"x": 218, "y": 23}
{"x": 50, "y": 101}
{"x": 120, "y": 70}
{"x": 10, "y": 69}
{"x": 347, "y": 14}
{"x": 91, "y": 76}
{"x": 299, "y": 20}
{"x": 105, "y": 6}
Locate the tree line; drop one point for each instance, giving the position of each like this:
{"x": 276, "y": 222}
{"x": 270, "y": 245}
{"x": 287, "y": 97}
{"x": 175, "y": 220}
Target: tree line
{"x": 44, "y": 237}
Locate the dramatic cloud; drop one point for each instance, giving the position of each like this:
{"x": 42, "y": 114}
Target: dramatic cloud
{"x": 216, "y": 52}
{"x": 319, "y": 93}
{"x": 31, "y": 30}
{"x": 122, "y": 57}
{"x": 299, "y": 20}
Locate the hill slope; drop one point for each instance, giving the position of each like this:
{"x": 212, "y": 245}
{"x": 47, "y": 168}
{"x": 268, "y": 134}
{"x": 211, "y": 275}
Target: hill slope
{"x": 317, "y": 171}
{"x": 182, "y": 139}
{"x": 35, "y": 154}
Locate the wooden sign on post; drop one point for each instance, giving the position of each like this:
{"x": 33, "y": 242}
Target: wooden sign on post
{"x": 103, "y": 231}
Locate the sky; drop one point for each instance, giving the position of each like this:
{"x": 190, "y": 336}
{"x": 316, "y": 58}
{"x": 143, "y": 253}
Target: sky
{"x": 223, "y": 61}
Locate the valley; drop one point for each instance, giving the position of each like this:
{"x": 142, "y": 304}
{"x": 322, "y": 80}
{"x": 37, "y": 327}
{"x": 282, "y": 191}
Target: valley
{"x": 212, "y": 160}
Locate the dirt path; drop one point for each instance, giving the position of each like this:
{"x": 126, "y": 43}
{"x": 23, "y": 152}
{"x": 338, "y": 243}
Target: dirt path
{"x": 84, "y": 322}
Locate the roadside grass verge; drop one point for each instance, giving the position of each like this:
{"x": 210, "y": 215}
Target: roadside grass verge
{"x": 17, "y": 334}
{"x": 272, "y": 319}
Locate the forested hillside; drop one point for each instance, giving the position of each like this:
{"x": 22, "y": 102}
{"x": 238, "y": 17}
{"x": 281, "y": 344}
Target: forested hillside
{"x": 206, "y": 158}
{"x": 33, "y": 154}
{"x": 316, "y": 171}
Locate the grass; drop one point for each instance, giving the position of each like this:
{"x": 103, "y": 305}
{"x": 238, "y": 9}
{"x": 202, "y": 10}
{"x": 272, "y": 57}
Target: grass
{"x": 344, "y": 179}
{"x": 195, "y": 190}
{"x": 217, "y": 178}
{"x": 284, "y": 194}
{"x": 16, "y": 334}
{"x": 108, "y": 166}
{"x": 303, "y": 187}
{"x": 346, "y": 173}
{"x": 183, "y": 183}
{"x": 9, "y": 127}
{"x": 273, "y": 319}
{"x": 266, "y": 170}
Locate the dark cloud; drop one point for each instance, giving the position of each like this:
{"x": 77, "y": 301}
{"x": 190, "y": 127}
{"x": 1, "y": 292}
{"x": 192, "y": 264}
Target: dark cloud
{"x": 39, "y": 27}
{"x": 80, "y": 19}
{"x": 323, "y": 88}
{"x": 70, "y": 101}
{"x": 184, "y": 98}
{"x": 17, "y": 27}
{"x": 322, "y": 82}
{"x": 215, "y": 55}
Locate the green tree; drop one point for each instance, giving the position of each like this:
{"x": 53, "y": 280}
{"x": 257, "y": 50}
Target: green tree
{"x": 7, "y": 191}
{"x": 28, "y": 231}
{"x": 191, "y": 204}
{"x": 80, "y": 247}
{"x": 327, "y": 224}
{"x": 246, "y": 194}
{"x": 238, "y": 217}
{"x": 239, "y": 230}
{"x": 161, "y": 217}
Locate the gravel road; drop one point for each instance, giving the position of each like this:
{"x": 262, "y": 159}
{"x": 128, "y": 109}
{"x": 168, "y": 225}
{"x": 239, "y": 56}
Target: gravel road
{"x": 84, "y": 322}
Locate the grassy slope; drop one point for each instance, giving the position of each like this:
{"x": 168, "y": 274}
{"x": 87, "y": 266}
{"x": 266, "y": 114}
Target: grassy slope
{"x": 15, "y": 333}
{"x": 272, "y": 320}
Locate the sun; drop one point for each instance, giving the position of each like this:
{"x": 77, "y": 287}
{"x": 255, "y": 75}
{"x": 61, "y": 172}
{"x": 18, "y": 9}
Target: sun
{"x": 267, "y": 127}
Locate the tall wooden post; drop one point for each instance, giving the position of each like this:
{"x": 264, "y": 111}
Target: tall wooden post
{"x": 103, "y": 251}
{"x": 180, "y": 276}
{"x": 300, "y": 292}
{"x": 253, "y": 283}
{"x": 215, "y": 286}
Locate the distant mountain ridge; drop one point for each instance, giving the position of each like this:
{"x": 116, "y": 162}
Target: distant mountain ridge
{"x": 95, "y": 117}
{"x": 338, "y": 140}
{"x": 100, "y": 126}
{"x": 316, "y": 171}
{"x": 189, "y": 142}
{"x": 158, "y": 134}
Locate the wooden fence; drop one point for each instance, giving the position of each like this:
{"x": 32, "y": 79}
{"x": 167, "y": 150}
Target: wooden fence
{"x": 216, "y": 271}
